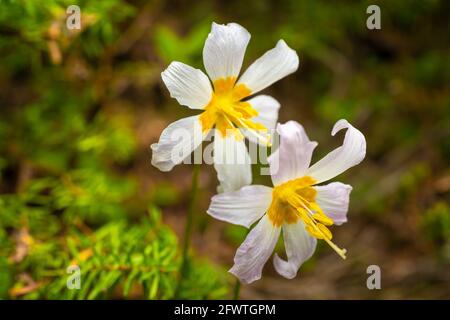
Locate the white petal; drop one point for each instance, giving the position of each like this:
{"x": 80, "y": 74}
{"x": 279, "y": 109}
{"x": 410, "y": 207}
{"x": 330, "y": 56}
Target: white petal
{"x": 255, "y": 251}
{"x": 232, "y": 163}
{"x": 333, "y": 199}
{"x": 299, "y": 245}
{"x": 242, "y": 207}
{"x": 176, "y": 143}
{"x": 275, "y": 64}
{"x": 224, "y": 50}
{"x": 352, "y": 152}
{"x": 190, "y": 86}
{"x": 267, "y": 108}
{"x": 292, "y": 158}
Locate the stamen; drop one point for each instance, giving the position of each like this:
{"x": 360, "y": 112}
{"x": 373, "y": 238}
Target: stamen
{"x": 226, "y": 110}
{"x": 236, "y": 132}
{"x": 339, "y": 251}
{"x": 266, "y": 139}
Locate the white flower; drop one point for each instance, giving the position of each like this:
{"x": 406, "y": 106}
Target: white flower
{"x": 296, "y": 205}
{"x": 223, "y": 106}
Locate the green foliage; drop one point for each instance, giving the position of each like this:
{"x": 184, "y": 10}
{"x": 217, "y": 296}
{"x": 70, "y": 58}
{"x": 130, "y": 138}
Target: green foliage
{"x": 168, "y": 43}
{"x": 78, "y": 110}
{"x": 436, "y": 223}
{"x": 204, "y": 281}
{"x": 235, "y": 234}
{"x": 412, "y": 180}
{"x": 165, "y": 194}
{"x": 67, "y": 149}
{"x": 117, "y": 260}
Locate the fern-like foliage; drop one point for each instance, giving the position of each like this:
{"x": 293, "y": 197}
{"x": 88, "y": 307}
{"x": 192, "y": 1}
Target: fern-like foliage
{"x": 69, "y": 191}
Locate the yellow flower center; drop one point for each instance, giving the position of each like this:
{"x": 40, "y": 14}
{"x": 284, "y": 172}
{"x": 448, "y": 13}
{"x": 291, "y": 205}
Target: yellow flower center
{"x": 228, "y": 113}
{"x": 296, "y": 199}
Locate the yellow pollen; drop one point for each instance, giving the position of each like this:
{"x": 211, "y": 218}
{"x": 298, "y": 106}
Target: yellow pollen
{"x": 228, "y": 113}
{"x": 296, "y": 199}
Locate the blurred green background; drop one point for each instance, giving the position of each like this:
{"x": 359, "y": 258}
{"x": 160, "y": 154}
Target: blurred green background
{"x": 79, "y": 109}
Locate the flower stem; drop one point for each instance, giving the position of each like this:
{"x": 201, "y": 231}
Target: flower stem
{"x": 236, "y": 290}
{"x": 193, "y": 195}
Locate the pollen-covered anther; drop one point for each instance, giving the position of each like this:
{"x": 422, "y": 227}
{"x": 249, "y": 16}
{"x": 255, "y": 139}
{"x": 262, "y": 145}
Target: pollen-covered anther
{"x": 228, "y": 113}
{"x": 296, "y": 199}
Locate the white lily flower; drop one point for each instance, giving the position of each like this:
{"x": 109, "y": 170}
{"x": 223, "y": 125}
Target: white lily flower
{"x": 296, "y": 204}
{"x": 223, "y": 106}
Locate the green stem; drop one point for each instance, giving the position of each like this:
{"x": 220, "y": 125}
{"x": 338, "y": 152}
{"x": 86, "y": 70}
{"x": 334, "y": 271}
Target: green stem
{"x": 193, "y": 195}
{"x": 236, "y": 290}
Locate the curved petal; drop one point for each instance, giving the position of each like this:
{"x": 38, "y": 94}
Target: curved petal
{"x": 176, "y": 143}
{"x": 232, "y": 162}
{"x": 352, "y": 152}
{"x": 299, "y": 245}
{"x": 275, "y": 64}
{"x": 190, "y": 86}
{"x": 242, "y": 207}
{"x": 267, "y": 108}
{"x": 292, "y": 158}
{"x": 224, "y": 50}
{"x": 333, "y": 199}
{"x": 255, "y": 251}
